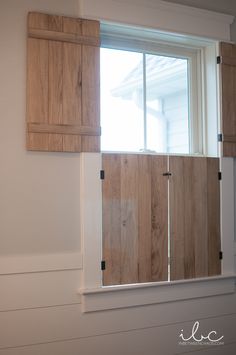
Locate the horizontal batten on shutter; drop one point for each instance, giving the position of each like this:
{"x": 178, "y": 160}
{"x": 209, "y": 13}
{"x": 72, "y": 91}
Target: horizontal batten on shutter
{"x": 229, "y": 139}
{"x": 64, "y": 129}
{"x": 228, "y": 60}
{"x": 64, "y": 37}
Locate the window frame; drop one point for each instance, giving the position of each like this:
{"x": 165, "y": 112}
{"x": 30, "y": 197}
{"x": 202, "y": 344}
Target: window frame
{"x": 152, "y": 42}
{"x": 97, "y": 297}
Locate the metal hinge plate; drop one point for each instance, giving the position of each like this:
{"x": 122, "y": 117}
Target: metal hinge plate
{"x": 103, "y": 265}
{"x": 102, "y": 174}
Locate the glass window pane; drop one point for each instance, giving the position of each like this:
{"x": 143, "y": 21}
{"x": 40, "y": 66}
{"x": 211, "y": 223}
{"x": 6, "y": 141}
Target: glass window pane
{"x": 121, "y": 100}
{"x": 167, "y": 104}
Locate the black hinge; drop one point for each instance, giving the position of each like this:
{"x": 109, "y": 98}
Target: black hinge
{"x": 221, "y": 255}
{"x": 167, "y": 174}
{"x": 219, "y": 175}
{"x": 103, "y": 265}
{"x": 218, "y": 59}
{"x": 102, "y": 174}
{"x": 220, "y": 137}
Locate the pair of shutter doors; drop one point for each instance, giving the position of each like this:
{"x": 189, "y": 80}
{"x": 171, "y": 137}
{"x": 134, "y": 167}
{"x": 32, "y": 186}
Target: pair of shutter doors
{"x": 154, "y": 222}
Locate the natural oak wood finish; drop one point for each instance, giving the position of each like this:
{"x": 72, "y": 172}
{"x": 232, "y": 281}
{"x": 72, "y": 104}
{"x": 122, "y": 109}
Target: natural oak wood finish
{"x": 63, "y": 129}
{"x": 135, "y": 219}
{"x": 213, "y": 213}
{"x": 194, "y": 217}
{"x": 228, "y": 92}
{"x": 63, "y": 84}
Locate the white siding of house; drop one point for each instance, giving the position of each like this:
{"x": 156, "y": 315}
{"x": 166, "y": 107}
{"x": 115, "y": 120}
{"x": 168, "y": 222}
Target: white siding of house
{"x": 175, "y": 109}
{"x": 40, "y": 309}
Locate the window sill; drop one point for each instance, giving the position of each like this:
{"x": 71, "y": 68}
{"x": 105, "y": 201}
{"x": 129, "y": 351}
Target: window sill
{"x": 122, "y": 296}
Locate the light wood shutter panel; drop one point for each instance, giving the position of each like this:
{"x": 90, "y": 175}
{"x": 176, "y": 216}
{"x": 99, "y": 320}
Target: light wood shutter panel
{"x": 63, "y": 112}
{"x": 194, "y": 217}
{"x": 228, "y": 94}
{"x": 135, "y": 218}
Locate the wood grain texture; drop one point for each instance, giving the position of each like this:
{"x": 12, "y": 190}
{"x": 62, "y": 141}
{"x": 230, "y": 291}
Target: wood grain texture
{"x": 159, "y": 219}
{"x": 129, "y": 219}
{"x": 213, "y": 211}
{"x": 90, "y": 91}
{"x": 135, "y": 221}
{"x": 228, "y": 92}
{"x": 194, "y": 206}
{"x": 111, "y": 217}
{"x": 64, "y": 129}
{"x": 55, "y": 83}
{"x": 37, "y": 81}
{"x": 72, "y": 84}
{"x": 62, "y": 73}
{"x": 144, "y": 218}
{"x": 177, "y": 220}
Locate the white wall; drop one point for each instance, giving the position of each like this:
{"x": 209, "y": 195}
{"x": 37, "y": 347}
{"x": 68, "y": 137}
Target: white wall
{"x": 40, "y": 266}
{"x": 39, "y": 193}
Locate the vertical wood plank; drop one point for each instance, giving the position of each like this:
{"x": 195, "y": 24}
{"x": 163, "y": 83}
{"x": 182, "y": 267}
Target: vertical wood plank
{"x": 71, "y": 143}
{"x": 111, "y": 216}
{"x": 228, "y": 92}
{"x": 37, "y": 81}
{"x": 177, "y": 220}
{"x": 159, "y": 219}
{"x": 199, "y": 225}
{"x": 91, "y": 85}
{"x": 213, "y": 210}
{"x": 72, "y": 25}
{"x": 55, "y": 82}
{"x": 90, "y": 93}
{"x": 38, "y": 20}
{"x": 55, "y": 142}
{"x": 37, "y": 141}
{"x": 144, "y": 219}
{"x": 71, "y": 83}
{"x": 129, "y": 218}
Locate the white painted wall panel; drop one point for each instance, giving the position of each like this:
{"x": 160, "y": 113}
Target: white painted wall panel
{"x": 33, "y": 290}
{"x": 32, "y": 326}
{"x": 149, "y": 341}
{"x": 39, "y": 192}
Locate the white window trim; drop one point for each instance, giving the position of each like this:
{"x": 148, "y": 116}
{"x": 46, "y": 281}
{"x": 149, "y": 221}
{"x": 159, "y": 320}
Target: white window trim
{"x": 153, "y": 42}
{"x": 176, "y": 19}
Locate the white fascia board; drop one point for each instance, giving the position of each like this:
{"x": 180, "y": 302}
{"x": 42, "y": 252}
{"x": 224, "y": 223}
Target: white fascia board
{"x": 159, "y": 15}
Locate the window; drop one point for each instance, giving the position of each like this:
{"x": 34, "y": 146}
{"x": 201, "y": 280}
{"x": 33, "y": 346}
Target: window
{"x": 149, "y": 96}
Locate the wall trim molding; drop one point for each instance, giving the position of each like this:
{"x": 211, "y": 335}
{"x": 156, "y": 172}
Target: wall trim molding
{"x": 21, "y": 264}
{"x": 161, "y": 15}
{"x": 114, "y": 297}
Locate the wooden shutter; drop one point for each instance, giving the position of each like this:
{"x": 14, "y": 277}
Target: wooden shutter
{"x": 227, "y": 61}
{"x": 135, "y": 218}
{"x": 63, "y": 84}
{"x": 194, "y": 217}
